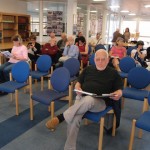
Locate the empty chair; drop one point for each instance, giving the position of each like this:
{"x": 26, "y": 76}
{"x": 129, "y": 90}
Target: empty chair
{"x": 99, "y": 46}
{"x": 91, "y": 60}
{"x": 60, "y": 80}
{"x": 143, "y": 122}
{"x": 19, "y": 79}
{"x": 98, "y": 117}
{"x": 73, "y": 67}
{"x": 42, "y": 68}
{"x": 125, "y": 65}
{"x": 138, "y": 78}
{"x": 130, "y": 49}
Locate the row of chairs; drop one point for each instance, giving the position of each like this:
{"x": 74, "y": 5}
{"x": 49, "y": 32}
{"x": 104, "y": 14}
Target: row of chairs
{"x": 58, "y": 85}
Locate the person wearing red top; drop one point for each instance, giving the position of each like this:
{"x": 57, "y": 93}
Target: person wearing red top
{"x": 83, "y": 48}
{"x": 117, "y": 52}
{"x": 50, "y": 49}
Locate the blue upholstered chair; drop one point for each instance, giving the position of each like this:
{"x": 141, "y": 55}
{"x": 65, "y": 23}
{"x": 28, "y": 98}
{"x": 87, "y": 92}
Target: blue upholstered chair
{"x": 73, "y": 67}
{"x": 138, "y": 79}
{"x": 98, "y": 117}
{"x": 125, "y": 65}
{"x": 59, "y": 81}
{"x": 143, "y": 123}
{"x": 91, "y": 60}
{"x": 42, "y": 68}
{"x": 130, "y": 49}
{"x": 99, "y": 46}
{"x": 18, "y": 79}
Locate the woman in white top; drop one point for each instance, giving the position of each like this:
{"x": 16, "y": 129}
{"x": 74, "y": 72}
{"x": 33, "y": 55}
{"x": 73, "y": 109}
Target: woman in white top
{"x": 139, "y": 54}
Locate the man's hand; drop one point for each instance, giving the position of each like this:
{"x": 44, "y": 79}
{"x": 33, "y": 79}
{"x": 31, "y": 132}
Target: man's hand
{"x": 78, "y": 87}
{"x": 116, "y": 95}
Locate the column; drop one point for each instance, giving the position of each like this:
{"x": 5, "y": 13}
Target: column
{"x": 88, "y": 23}
{"x": 71, "y": 13}
{"x": 41, "y": 22}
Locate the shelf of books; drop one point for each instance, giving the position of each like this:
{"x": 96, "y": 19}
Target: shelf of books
{"x": 11, "y": 24}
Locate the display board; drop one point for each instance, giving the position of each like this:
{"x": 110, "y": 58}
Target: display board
{"x": 55, "y": 22}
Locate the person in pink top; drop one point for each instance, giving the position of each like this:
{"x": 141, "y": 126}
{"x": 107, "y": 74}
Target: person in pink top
{"x": 116, "y": 53}
{"x": 19, "y": 52}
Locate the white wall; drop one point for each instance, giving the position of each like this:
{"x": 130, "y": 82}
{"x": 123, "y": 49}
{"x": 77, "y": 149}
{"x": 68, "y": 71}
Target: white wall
{"x": 13, "y": 6}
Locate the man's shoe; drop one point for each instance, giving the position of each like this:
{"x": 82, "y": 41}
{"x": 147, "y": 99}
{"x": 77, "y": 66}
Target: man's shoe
{"x": 52, "y": 124}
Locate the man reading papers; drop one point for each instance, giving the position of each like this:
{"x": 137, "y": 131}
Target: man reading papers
{"x": 97, "y": 79}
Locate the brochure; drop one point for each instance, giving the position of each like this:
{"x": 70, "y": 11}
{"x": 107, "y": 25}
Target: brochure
{"x": 94, "y": 95}
{"x": 6, "y": 53}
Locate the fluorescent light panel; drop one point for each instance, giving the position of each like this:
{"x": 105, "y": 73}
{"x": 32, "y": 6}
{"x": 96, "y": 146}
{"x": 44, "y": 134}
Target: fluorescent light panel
{"x": 147, "y": 6}
{"x": 124, "y": 11}
{"x": 131, "y": 14}
{"x": 94, "y": 11}
{"x": 114, "y": 6}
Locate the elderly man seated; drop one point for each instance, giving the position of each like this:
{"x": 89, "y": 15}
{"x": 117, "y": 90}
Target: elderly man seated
{"x": 70, "y": 51}
{"x": 97, "y": 79}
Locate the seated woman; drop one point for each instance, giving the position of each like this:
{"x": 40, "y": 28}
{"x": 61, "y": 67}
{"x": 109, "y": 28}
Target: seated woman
{"x": 19, "y": 52}
{"x": 51, "y": 49}
{"x": 139, "y": 54}
{"x": 34, "y": 49}
{"x": 83, "y": 49}
{"x": 116, "y": 53}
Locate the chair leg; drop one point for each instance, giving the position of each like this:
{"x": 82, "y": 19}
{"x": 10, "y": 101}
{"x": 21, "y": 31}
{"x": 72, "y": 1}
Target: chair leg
{"x": 31, "y": 109}
{"x": 132, "y": 134}
{"x": 11, "y": 97}
{"x": 145, "y": 105}
{"x": 86, "y": 121}
{"x": 70, "y": 94}
{"x": 114, "y": 126}
{"x": 17, "y": 104}
{"x": 42, "y": 83}
{"x": 52, "y": 109}
{"x": 100, "y": 143}
{"x": 140, "y": 133}
{"x": 122, "y": 102}
{"x": 125, "y": 83}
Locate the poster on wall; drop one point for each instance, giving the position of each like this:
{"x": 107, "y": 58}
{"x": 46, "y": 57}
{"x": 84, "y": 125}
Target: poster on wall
{"x": 93, "y": 24}
{"x": 55, "y": 22}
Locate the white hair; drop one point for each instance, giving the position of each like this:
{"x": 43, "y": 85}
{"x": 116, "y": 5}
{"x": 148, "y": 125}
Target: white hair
{"x": 102, "y": 50}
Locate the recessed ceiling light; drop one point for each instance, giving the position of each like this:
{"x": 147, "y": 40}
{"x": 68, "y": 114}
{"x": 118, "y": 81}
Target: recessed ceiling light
{"x": 93, "y": 11}
{"x": 45, "y": 9}
{"x": 147, "y": 6}
{"x": 78, "y": 7}
{"x": 124, "y": 11}
{"x": 36, "y": 9}
{"x": 132, "y": 14}
{"x": 99, "y": 0}
{"x": 114, "y": 6}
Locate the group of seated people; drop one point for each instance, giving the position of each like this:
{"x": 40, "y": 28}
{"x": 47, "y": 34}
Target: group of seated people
{"x": 93, "y": 79}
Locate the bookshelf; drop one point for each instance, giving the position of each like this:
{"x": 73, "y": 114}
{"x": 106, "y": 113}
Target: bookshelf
{"x": 11, "y": 24}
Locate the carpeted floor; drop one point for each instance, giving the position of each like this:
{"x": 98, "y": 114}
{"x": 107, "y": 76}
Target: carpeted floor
{"x": 19, "y": 133}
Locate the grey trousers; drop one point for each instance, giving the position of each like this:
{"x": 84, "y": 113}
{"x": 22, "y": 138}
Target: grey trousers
{"x": 74, "y": 114}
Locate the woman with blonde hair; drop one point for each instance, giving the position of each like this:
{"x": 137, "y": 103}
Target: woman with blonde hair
{"x": 19, "y": 52}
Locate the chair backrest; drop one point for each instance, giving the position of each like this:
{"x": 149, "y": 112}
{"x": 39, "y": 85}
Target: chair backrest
{"x": 139, "y": 77}
{"x": 99, "y": 46}
{"x": 130, "y": 49}
{"x": 126, "y": 64}
{"x": 91, "y": 60}
{"x": 73, "y": 65}
{"x": 60, "y": 79}
{"x": 44, "y": 63}
{"x": 89, "y": 50}
{"x": 21, "y": 71}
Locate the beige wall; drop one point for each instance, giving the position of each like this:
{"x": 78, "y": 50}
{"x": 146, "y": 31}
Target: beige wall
{"x": 13, "y": 6}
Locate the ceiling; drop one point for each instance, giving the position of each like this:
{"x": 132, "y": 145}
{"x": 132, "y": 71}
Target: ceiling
{"x": 133, "y": 6}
